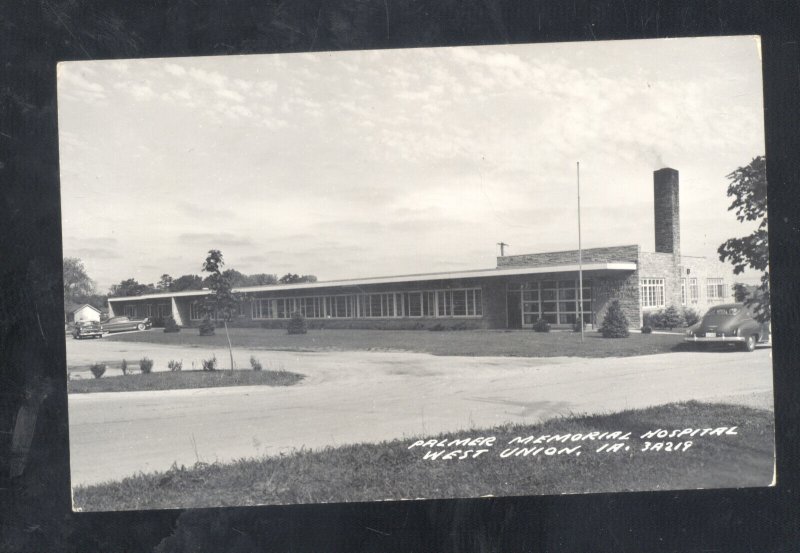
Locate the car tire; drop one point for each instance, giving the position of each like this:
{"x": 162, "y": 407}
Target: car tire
{"x": 141, "y": 326}
{"x": 750, "y": 343}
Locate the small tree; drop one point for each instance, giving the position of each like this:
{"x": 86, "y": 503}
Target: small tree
{"x": 673, "y": 318}
{"x": 615, "y": 324}
{"x": 124, "y": 367}
{"x": 223, "y": 301}
{"x": 297, "y": 324}
{"x": 146, "y": 365}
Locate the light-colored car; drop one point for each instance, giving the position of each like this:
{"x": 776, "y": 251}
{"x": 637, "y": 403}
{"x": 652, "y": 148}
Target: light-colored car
{"x": 730, "y": 323}
{"x": 120, "y": 324}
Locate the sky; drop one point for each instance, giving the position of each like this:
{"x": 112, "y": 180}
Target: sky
{"x": 390, "y": 162}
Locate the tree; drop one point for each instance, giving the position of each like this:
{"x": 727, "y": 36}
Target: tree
{"x": 291, "y": 278}
{"x": 615, "y": 324}
{"x": 76, "y": 282}
{"x": 673, "y": 318}
{"x": 165, "y": 283}
{"x": 186, "y": 282}
{"x": 748, "y": 188}
{"x": 222, "y": 302}
{"x": 261, "y": 279}
{"x": 130, "y": 287}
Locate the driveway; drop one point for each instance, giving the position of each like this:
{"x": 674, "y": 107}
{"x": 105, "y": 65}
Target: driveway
{"x": 350, "y": 397}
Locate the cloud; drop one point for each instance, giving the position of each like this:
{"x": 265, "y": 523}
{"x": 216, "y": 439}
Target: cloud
{"x": 175, "y": 70}
{"x": 73, "y": 82}
{"x": 215, "y": 240}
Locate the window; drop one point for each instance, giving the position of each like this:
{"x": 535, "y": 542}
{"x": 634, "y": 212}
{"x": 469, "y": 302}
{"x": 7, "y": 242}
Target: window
{"x": 164, "y": 310}
{"x": 715, "y": 288}
{"x": 683, "y": 291}
{"x": 130, "y": 311}
{"x": 195, "y": 311}
{"x": 694, "y": 289}
{"x": 652, "y": 292}
{"x": 557, "y": 302}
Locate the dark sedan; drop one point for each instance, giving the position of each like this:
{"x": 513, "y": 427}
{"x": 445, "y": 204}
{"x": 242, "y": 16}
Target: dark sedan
{"x": 120, "y": 324}
{"x": 87, "y": 329}
{"x": 730, "y": 323}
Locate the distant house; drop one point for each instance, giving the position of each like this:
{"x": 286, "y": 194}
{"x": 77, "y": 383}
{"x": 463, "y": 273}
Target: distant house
{"x": 85, "y": 312}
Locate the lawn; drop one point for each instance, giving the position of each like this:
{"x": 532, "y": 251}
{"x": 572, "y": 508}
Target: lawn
{"x": 178, "y": 380}
{"x": 456, "y": 342}
{"x": 392, "y": 470}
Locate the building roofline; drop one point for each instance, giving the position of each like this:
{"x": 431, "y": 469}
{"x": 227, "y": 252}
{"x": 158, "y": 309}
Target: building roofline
{"x": 420, "y": 277}
{"x": 85, "y": 305}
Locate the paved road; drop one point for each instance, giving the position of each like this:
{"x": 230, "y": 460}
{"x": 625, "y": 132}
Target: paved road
{"x": 351, "y": 397}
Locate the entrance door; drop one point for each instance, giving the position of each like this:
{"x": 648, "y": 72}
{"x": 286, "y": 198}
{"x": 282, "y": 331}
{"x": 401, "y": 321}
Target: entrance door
{"x": 514, "y": 309}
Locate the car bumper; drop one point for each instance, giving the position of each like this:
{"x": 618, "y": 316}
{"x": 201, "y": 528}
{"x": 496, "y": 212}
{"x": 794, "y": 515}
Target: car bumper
{"x": 714, "y": 339}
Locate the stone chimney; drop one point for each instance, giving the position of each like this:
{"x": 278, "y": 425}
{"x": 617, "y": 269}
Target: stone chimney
{"x": 667, "y": 211}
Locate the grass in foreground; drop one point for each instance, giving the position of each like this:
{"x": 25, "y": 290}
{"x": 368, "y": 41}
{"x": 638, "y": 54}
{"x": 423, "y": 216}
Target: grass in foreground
{"x": 455, "y": 342}
{"x": 389, "y": 470}
{"x": 179, "y": 380}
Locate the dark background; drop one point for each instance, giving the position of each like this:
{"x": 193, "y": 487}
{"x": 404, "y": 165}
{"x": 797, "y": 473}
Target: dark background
{"x": 34, "y": 486}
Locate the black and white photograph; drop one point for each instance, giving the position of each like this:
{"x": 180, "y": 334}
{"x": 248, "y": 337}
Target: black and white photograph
{"x": 419, "y": 273}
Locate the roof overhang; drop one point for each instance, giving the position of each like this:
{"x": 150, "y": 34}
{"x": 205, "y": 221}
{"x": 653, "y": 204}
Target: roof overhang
{"x": 604, "y": 267}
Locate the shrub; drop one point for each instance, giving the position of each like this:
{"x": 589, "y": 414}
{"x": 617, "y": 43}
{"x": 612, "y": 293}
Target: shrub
{"x": 175, "y": 365}
{"x": 297, "y": 324}
{"x": 210, "y": 364}
{"x": 255, "y": 363}
{"x": 146, "y": 365}
{"x": 691, "y": 316}
{"x": 673, "y": 318}
{"x": 615, "y": 324}
{"x": 207, "y": 327}
{"x": 654, "y": 319}
{"x": 647, "y": 330}
{"x": 170, "y": 325}
{"x": 541, "y": 326}
{"x": 158, "y": 322}
{"x": 98, "y": 369}
{"x": 437, "y": 327}
{"x": 124, "y": 367}
{"x": 578, "y": 326}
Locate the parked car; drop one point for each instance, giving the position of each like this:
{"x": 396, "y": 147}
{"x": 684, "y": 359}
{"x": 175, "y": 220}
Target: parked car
{"x": 119, "y": 324}
{"x": 87, "y": 329}
{"x": 731, "y": 323}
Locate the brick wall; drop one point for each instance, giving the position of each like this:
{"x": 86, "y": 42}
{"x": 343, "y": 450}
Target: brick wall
{"x": 590, "y": 255}
{"x": 666, "y": 206}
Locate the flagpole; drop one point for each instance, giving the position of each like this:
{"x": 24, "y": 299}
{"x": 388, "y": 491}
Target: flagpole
{"x": 580, "y": 253}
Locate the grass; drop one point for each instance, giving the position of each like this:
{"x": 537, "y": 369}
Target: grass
{"x": 179, "y": 380}
{"x": 457, "y": 342}
{"x": 390, "y": 470}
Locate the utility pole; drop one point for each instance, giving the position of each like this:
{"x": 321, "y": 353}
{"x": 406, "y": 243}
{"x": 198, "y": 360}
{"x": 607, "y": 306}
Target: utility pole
{"x": 502, "y": 248}
{"x": 580, "y": 253}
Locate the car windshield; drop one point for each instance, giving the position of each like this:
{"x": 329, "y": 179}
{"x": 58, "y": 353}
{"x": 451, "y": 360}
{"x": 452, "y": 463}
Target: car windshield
{"x": 725, "y": 311}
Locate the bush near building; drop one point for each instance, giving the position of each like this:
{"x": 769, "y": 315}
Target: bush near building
{"x": 297, "y": 324}
{"x": 671, "y": 318}
{"x": 541, "y": 326}
{"x": 170, "y": 325}
{"x": 615, "y": 324}
{"x": 207, "y": 327}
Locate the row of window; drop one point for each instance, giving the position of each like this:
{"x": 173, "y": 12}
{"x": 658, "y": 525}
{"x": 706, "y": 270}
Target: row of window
{"x": 426, "y": 303}
{"x": 161, "y": 310}
{"x": 652, "y": 290}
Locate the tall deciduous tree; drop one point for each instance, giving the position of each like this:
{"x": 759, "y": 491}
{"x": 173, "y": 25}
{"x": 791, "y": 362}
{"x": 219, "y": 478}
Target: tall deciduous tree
{"x": 76, "y": 281}
{"x": 748, "y": 188}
